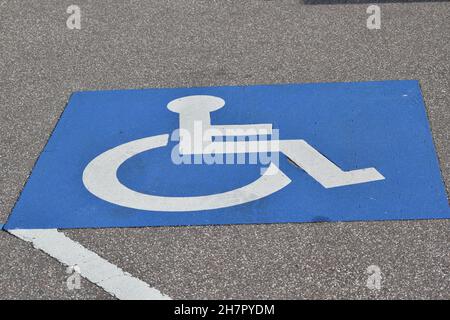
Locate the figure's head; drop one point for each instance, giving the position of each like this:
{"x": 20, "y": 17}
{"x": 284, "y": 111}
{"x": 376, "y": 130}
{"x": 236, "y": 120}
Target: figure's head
{"x": 196, "y": 104}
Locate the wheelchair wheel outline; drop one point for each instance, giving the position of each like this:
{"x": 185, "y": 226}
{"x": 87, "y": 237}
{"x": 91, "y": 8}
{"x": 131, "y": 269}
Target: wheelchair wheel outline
{"x": 100, "y": 179}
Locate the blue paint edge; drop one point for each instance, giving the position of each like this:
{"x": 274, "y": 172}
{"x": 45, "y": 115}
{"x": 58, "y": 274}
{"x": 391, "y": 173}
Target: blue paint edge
{"x": 4, "y": 227}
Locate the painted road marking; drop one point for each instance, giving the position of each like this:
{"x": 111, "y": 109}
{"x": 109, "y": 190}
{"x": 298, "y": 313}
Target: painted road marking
{"x": 310, "y": 152}
{"x": 100, "y": 175}
{"x": 100, "y": 178}
{"x": 91, "y": 266}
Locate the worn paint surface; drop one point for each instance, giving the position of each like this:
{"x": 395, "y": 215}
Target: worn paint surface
{"x": 355, "y": 125}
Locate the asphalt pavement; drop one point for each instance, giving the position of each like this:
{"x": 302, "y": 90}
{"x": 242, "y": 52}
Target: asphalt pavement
{"x": 153, "y": 44}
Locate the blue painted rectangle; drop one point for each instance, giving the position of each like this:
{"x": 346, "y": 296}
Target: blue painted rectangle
{"x": 355, "y": 125}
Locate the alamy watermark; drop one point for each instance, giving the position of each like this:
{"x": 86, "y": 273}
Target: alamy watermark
{"x": 73, "y": 281}
{"x": 374, "y": 19}
{"x": 73, "y": 22}
{"x": 223, "y": 145}
{"x": 374, "y": 279}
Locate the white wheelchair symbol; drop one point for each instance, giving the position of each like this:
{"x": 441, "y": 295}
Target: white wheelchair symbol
{"x": 100, "y": 175}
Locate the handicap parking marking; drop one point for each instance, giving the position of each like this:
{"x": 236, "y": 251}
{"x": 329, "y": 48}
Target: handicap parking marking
{"x": 240, "y": 154}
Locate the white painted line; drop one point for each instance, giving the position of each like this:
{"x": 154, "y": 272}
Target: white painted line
{"x": 92, "y": 267}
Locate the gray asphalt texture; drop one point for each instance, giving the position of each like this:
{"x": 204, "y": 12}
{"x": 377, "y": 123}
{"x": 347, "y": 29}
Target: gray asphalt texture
{"x": 144, "y": 44}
